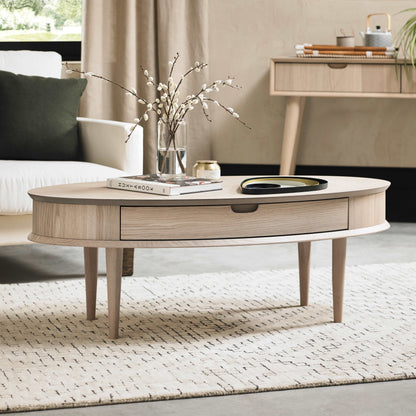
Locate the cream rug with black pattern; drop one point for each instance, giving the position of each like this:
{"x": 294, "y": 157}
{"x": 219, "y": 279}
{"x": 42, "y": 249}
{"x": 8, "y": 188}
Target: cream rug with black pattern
{"x": 203, "y": 335}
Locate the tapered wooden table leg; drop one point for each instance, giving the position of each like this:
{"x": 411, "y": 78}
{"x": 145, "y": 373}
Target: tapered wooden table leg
{"x": 91, "y": 274}
{"x": 128, "y": 261}
{"x": 339, "y": 250}
{"x": 291, "y": 134}
{"x": 114, "y": 261}
{"x": 304, "y": 254}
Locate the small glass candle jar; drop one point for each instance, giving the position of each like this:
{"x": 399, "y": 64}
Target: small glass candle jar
{"x": 207, "y": 169}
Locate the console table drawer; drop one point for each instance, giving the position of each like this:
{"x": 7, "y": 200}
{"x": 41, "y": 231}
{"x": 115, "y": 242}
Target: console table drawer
{"x": 336, "y": 77}
{"x": 233, "y": 221}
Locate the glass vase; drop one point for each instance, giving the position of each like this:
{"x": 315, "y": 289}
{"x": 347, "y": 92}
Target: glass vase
{"x": 171, "y": 149}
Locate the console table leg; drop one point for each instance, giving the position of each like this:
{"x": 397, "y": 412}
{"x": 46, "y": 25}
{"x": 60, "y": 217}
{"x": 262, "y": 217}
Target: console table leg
{"x": 304, "y": 254}
{"x": 91, "y": 274}
{"x": 291, "y": 134}
{"x": 339, "y": 250}
{"x": 114, "y": 261}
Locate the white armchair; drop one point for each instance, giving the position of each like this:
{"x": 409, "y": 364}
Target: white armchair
{"x": 103, "y": 143}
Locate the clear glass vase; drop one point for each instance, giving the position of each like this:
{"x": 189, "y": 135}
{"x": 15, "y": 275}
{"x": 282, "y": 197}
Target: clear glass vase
{"x": 171, "y": 149}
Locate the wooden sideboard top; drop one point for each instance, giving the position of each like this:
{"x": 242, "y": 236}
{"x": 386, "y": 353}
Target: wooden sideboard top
{"x": 345, "y": 60}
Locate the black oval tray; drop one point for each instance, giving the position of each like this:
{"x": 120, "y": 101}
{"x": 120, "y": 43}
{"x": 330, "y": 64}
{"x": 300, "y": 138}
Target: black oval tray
{"x": 281, "y": 184}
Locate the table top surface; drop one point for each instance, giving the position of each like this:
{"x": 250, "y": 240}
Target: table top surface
{"x": 341, "y": 60}
{"x": 96, "y": 193}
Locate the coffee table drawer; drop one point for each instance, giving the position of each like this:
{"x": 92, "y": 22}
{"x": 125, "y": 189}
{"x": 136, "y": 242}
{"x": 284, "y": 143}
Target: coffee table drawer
{"x": 336, "y": 77}
{"x": 233, "y": 221}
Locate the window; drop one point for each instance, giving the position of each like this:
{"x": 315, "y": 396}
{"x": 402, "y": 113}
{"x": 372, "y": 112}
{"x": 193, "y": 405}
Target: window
{"x": 42, "y": 25}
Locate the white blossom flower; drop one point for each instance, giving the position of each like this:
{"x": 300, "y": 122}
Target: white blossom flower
{"x": 69, "y": 71}
{"x": 168, "y": 106}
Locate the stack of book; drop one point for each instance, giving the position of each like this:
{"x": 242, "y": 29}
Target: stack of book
{"x": 311, "y": 51}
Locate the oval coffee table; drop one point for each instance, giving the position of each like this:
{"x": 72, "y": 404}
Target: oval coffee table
{"x": 90, "y": 215}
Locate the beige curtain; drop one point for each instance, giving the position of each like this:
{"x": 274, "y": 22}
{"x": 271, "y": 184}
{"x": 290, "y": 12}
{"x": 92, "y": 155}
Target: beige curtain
{"x": 119, "y": 36}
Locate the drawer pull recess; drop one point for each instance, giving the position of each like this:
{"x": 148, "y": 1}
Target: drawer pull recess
{"x": 337, "y": 65}
{"x": 244, "y": 208}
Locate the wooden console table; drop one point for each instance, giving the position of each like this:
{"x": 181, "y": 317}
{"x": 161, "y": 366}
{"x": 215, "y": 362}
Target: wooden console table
{"x": 298, "y": 78}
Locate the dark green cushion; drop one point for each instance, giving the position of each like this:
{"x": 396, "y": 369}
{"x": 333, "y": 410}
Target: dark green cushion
{"x": 38, "y": 117}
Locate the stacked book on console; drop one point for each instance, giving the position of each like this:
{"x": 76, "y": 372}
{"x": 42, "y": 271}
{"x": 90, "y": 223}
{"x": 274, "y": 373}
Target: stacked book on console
{"x": 153, "y": 184}
{"x": 311, "y": 51}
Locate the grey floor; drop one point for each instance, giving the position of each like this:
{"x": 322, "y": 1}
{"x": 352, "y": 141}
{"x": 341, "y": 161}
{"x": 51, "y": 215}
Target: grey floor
{"x": 36, "y": 262}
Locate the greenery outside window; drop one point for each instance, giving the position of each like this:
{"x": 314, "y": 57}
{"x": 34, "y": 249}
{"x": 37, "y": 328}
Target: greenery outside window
{"x": 53, "y": 25}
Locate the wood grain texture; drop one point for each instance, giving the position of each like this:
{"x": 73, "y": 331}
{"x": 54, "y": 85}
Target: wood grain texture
{"x": 339, "y": 250}
{"x": 95, "y": 193}
{"x": 224, "y": 242}
{"x": 291, "y": 134}
{"x": 304, "y": 255}
{"x": 89, "y": 222}
{"x": 408, "y": 80}
{"x": 174, "y": 223}
{"x": 344, "y": 60}
{"x": 366, "y": 211}
{"x": 91, "y": 275}
{"x": 320, "y": 77}
{"x": 114, "y": 262}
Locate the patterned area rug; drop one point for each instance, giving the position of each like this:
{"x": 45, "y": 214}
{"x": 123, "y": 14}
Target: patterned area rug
{"x": 204, "y": 335}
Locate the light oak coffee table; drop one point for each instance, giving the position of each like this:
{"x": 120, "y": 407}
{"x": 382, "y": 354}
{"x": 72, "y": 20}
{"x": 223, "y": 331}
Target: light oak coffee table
{"x": 90, "y": 215}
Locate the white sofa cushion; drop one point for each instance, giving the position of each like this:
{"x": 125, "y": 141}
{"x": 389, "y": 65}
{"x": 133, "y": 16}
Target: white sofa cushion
{"x": 43, "y": 64}
{"x": 17, "y": 177}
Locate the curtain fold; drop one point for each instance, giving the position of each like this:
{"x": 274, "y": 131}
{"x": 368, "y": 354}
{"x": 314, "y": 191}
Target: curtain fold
{"x": 120, "y": 37}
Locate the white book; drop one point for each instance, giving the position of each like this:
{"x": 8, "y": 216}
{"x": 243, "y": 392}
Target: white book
{"x": 153, "y": 184}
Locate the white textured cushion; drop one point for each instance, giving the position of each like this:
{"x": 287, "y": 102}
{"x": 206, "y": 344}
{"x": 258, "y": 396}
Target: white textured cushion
{"x": 19, "y": 176}
{"x": 43, "y": 64}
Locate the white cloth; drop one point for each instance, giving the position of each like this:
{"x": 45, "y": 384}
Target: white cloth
{"x": 43, "y": 64}
{"x": 17, "y": 177}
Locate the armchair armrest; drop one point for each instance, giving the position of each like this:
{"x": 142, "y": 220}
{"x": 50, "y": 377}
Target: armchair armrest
{"x": 104, "y": 143}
